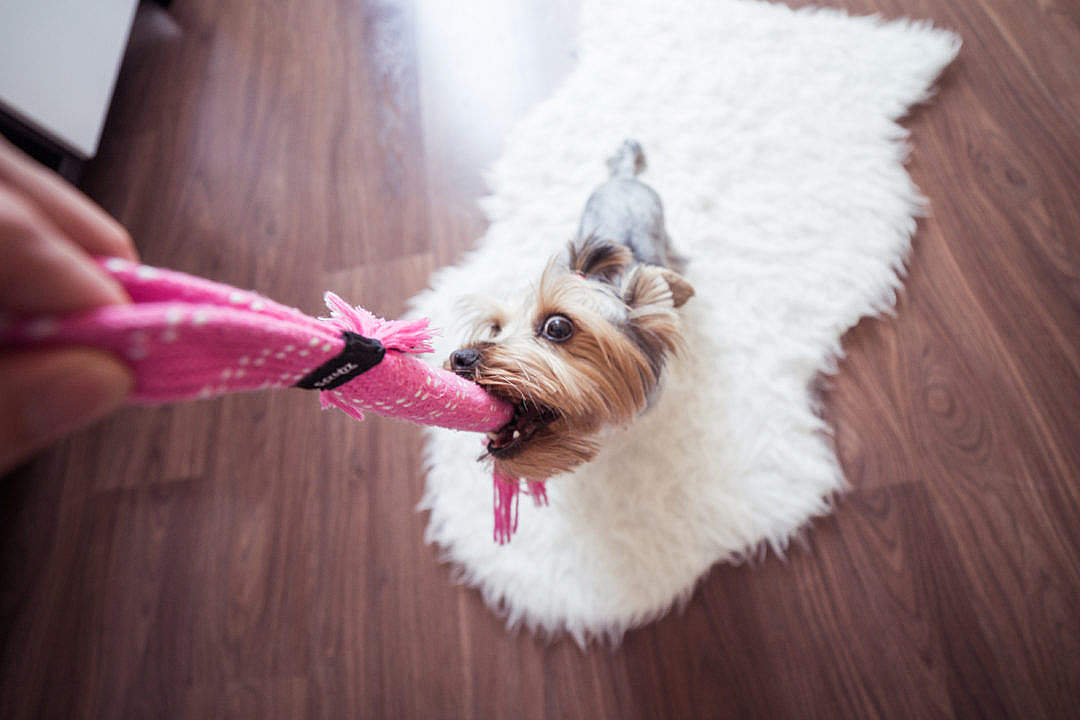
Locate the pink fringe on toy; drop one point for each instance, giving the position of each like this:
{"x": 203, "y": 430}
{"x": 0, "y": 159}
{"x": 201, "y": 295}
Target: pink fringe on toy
{"x": 409, "y": 336}
{"x": 538, "y": 490}
{"x": 506, "y": 491}
{"x": 404, "y": 386}
{"x": 506, "y": 507}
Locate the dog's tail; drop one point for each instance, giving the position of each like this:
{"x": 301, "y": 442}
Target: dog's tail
{"x": 628, "y": 160}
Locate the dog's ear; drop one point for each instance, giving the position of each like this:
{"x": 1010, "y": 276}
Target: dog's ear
{"x": 600, "y": 259}
{"x": 681, "y": 291}
{"x": 654, "y": 285}
{"x": 652, "y": 293}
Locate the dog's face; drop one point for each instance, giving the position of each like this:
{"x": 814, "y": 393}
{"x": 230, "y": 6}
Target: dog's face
{"x": 585, "y": 350}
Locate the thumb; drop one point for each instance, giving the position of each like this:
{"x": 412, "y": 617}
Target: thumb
{"x": 46, "y": 394}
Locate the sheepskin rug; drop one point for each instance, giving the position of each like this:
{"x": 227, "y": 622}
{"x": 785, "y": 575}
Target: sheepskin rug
{"x": 772, "y": 137}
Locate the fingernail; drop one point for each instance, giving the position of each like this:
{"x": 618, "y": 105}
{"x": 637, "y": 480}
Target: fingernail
{"x": 73, "y": 391}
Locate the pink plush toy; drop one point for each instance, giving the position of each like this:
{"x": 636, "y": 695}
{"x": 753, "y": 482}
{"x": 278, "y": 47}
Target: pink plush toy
{"x": 185, "y": 337}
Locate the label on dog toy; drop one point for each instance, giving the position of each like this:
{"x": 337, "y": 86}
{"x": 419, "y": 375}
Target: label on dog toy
{"x": 359, "y": 355}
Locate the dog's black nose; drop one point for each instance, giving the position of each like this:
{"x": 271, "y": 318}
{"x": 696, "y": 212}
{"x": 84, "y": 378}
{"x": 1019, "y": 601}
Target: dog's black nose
{"x": 463, "y": 361}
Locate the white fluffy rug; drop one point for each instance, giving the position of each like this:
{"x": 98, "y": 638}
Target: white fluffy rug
{"x": 772, "y": 137}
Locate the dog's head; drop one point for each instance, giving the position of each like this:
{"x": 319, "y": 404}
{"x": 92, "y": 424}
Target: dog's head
{"x": 585, "y": 350}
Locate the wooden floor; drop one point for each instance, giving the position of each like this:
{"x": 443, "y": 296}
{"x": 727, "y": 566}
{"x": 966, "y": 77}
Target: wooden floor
{"x": 253, "y": 557}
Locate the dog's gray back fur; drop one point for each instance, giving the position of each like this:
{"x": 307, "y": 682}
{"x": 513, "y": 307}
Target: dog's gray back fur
{"x": 629, "y": 212}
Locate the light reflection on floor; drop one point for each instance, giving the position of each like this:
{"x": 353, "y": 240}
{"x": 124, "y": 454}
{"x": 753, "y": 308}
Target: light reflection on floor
{"x": 482, "y": 64}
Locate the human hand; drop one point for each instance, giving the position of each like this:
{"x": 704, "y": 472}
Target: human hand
{"x": 48, "y": 232}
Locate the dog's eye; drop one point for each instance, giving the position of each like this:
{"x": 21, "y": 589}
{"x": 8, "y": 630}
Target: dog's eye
{"x": 494, "y": 329}
{"x": 557, "y": 328}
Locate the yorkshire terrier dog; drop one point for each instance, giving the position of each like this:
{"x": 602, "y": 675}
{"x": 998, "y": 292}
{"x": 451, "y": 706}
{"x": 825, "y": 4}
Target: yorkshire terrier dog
{"x": 587, "y": 347}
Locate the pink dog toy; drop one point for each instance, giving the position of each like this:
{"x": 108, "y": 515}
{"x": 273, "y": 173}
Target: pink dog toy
{"x": 185, "y": 337}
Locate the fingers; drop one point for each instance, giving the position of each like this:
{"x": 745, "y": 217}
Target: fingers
{"x": 42, "y": 271}
{"x": 48, "y": 231}
{"x": 74, "y": 214}
{"x": 47, "y": 394}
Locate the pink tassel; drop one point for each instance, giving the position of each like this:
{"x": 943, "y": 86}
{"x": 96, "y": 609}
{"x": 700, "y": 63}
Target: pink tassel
{"x": 328, "y": 401}
{"x": 506, "y": 491}
{"x": 538, "y": 490}
{"x": 409, "y": 336}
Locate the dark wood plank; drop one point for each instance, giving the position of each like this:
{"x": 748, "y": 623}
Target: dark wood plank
{"x": 252, "y": 557}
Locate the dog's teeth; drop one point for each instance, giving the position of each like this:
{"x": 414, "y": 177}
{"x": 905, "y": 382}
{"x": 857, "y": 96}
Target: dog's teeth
{"x": 517, "y": 434}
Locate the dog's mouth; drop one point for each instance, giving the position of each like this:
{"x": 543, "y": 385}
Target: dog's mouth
{"x": 529, "y": 418}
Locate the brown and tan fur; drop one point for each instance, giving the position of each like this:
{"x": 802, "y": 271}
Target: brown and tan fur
{"x": 625, "y": 327}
